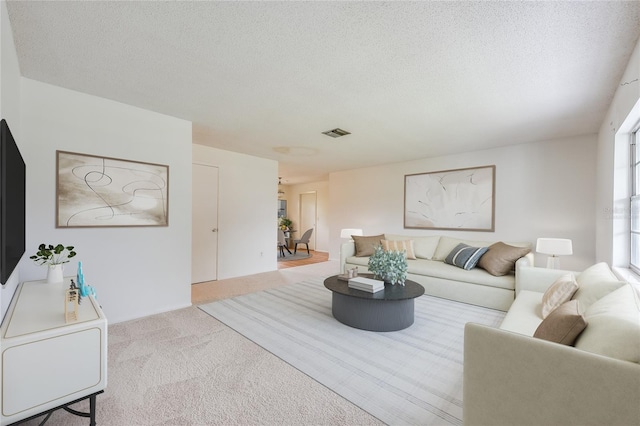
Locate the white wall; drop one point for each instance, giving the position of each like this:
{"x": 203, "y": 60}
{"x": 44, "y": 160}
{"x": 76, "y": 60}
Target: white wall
{"x": 10, "y": 111}
{"x": 543, "y": 189}
{"x": 9, "y": 74}
{"x": 612, "y": 207}
{"x": 247, "y": 211}
{"x": 137, "y": 271}
{"x": 292, "y": 195}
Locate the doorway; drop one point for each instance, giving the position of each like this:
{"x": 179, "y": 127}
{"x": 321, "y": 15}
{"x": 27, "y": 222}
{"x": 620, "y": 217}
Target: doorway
{"x": 204, "y": 227}
{"x": 308, "y": 213}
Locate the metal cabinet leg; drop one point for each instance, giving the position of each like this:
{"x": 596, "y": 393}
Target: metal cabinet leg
{"x": 92, "y": 410}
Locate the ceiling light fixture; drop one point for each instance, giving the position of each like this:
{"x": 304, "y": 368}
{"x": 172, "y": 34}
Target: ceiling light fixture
{"x": 336, "y": 133}
{"x": 280, "y": 191}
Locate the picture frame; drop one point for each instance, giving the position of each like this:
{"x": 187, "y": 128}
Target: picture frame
{"x": 97, "y": 191}
{"x": 457, "y": 199}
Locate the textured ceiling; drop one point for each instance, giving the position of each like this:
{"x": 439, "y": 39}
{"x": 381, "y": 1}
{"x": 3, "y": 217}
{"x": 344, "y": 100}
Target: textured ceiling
{"x": 407, "y": 79}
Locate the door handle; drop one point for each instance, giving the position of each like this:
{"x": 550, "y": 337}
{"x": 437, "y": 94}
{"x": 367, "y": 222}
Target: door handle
{"x": 214, "y": 230}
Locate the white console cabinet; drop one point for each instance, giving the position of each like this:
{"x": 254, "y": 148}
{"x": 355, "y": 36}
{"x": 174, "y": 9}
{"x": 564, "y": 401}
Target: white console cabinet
{"x": 47, "y": 362}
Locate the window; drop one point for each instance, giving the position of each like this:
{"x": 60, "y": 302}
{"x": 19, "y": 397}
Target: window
{"x": 634, "y": 258}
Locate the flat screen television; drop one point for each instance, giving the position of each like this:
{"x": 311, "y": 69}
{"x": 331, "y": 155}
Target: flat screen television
{"x": 12, "y": 203}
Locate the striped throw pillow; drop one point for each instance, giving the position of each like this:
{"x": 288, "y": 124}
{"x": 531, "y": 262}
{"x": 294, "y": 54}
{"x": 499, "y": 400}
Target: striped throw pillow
{"x": 464, "y": 256}
{"x": 406, "y": 246}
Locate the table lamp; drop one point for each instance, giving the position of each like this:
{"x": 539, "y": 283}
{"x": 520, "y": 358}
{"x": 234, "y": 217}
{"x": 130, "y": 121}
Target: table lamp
{"x": 348, "y": 232}
{"x": 554, "y": 247}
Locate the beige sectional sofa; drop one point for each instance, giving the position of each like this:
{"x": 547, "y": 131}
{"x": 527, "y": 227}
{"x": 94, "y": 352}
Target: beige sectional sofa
{"x": 475, "y": 286}
{"x": 513, "y": 378}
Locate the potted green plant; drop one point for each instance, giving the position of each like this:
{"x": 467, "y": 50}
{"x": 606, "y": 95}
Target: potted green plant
{"x": 389, "y": 266}
{"x": 54, "y": 257}
{"x": 285, "y": 224}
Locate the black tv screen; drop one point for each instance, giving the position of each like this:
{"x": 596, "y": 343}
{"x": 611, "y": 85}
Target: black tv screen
{"x": 12, "y": 203}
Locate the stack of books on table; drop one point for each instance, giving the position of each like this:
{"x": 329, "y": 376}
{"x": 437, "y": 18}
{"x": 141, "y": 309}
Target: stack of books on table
{"x": 366, "y": 284}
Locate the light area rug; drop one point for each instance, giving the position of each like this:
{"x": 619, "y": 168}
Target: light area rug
{"x": 297, "y": 256}
{"x": 412, "y": 376}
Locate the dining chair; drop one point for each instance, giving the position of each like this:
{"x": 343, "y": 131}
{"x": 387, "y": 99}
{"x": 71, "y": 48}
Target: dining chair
{"x": 282, "y": 242}
{"x": 303, "y": 240}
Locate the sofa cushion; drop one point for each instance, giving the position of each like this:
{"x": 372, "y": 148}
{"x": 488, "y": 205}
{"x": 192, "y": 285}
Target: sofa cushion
{"x": 559, "y": 293}
{"x": 423, "y": 247}
{"x": 594, "y": 283}
{"x": 365, "y": 245}
{"x": 614, "y": 325}
{"x": 437, "y": 269}
{"x": 501, "y": 258}
{"x": 359, "y": 261}
{"x": 446, "y": 244}
{"x": 524, "y": 315}
{"x": 405, "y": 246}
{"x": 464, "y": 256}
{"x": 563, "y": 325}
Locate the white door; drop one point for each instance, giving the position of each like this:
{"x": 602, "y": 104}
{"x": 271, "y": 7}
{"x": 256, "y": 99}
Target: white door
{"x": 308, "y": 218}
{"x": 204, "y": 226}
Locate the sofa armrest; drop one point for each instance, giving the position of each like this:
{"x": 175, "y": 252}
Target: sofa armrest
{"x": 512, "y": 379}
{"x": 347, "y": 249}
{"x": 537, "y": 279}
{"x": 526, "y": 260}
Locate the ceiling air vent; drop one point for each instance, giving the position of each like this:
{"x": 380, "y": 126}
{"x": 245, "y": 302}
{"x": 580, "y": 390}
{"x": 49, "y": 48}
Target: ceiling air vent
{"x": 336, "y": 133}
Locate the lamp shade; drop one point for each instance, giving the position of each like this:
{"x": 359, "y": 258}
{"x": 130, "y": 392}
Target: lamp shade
{"x": 554, "y": 246}
{"x": 348, "y": 232}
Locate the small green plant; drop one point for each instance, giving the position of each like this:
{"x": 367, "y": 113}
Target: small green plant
{"x": 284, "y": 223}
{"x": 389, "y": 266}
{"x": 53, "y": 255}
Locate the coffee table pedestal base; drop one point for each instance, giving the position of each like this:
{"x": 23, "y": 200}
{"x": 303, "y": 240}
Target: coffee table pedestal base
{"x": 372, "y": 314}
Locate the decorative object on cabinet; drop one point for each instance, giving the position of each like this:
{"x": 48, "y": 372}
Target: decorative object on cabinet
{"x": 71, "y": 303}
{"x": 54, "y": 257}
{"x": 95, "y": 191}
{"x": 80, "y": 278}
{"x": 459, "y": 199}
{"x": 48, "y": 254}
{"x": 85, "y": 290}
{"x": 55, "y": 273}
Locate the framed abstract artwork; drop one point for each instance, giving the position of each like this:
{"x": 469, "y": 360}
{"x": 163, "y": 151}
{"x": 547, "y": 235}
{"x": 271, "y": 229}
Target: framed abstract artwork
{"x": 95, "y": 191}
{"x": 459, "y": 199}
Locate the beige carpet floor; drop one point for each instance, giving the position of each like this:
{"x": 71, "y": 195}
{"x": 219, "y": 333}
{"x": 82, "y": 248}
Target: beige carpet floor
{"x": 186, "y": 368}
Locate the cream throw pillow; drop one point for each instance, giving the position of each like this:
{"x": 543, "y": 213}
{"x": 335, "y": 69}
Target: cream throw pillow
{"x": 559, "y": 292}
{"x": 423, "y": 247}
{"x": 563, "y": 325}
{"x": 614, "y": 326}
{"x": 594, "y": 283}
{"x": 406, "y": 246}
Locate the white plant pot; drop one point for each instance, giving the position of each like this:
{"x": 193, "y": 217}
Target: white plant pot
{"x": 54, "y": 274}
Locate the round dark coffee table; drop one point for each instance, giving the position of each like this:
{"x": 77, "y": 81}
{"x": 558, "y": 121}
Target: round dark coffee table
{"x": 390, "y": 309}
